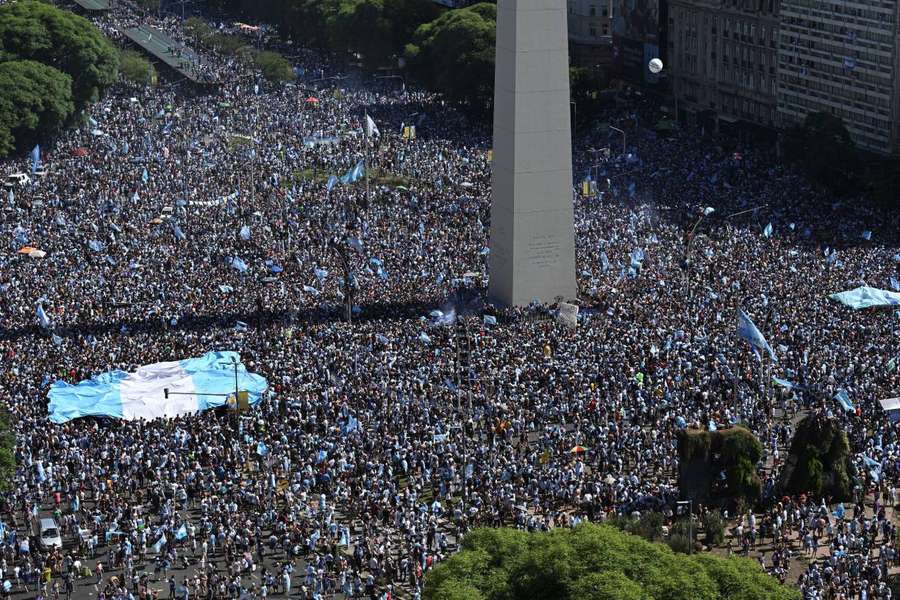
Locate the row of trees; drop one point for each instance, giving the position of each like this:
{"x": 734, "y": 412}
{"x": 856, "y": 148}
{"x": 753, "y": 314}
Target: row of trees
{"x": 52, "y": 64}
{"x": 451, "y": 51}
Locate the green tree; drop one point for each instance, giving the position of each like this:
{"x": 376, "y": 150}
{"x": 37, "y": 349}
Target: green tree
{"x": 405, "y": 17}
{"x": 274, "y": 66}
{"x": 35, "y": 100}
{"x": 7, "y": 451}
{"x": 454, "y": 54}
{"x": 592, "y": 562}
{"x": 41, "y": 32}
{"x": 823, "y": 148}
{"x": 360, "y": 27}
{"x": 135, "y": 68}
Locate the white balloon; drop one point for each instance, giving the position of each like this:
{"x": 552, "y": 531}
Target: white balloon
{"x": 656, "y": 65}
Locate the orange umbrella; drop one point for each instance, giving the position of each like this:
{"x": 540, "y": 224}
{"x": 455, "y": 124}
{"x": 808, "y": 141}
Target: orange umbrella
{"x": 578, "y": 449}
{"x": 26, "y": 249}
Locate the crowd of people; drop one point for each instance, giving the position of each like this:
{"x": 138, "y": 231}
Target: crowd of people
{"x": 181, "y": 222}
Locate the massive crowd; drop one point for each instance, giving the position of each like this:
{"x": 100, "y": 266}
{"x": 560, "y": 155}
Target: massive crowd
{"x": 378, "y": 458}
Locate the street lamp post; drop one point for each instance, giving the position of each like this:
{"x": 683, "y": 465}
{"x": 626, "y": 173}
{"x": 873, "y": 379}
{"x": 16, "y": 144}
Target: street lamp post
{"x": 624, "y": 146}
{"x": 690, "y": 505}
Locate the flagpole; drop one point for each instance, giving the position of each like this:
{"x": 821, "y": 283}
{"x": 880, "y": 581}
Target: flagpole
{"x": 366, "y": 157}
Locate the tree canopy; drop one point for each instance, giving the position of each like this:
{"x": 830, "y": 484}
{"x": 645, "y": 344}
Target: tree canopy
{"x": 592, "y": 562}
{"x": 34, "y": 100}
{"x": 274, "y": 66}
{"x": 136, "y": 68}
{"x": 454, "y": 54}
{"x": 41, "y": 32}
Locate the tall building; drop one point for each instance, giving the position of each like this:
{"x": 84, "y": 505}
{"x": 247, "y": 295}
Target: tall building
{"x": 723, "y": 59}
{"x": 639, "y": 34}
{"x": 590, "y": 32}
{"x": 842, "y": 58}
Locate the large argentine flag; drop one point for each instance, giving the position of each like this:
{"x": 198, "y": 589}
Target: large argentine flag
{"x": 141, "y": 395}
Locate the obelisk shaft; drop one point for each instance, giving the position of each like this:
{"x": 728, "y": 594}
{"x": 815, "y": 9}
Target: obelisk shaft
{"x": 532, "y": 215}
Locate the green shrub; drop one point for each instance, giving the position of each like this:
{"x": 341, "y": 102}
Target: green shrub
{"x": 713, "y": 528}
{"x": 592, "y": 562}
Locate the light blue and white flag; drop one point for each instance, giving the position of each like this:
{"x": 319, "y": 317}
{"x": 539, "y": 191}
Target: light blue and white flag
{"x": 490, "y": 320}
{"x": 867, "y": 235}
{"x": 747, "y": 331}
{"x": 179, "y": 234}
{"x": 332, "y": 181}
{"x": 320, "y": 274}
{"x": 354, "y": 174}
{"x": 43, "y": 319}
{"x": 166, "y": 389}
{"x": 238, "y": 264}
{"x": 350, "y": 426}
{"x": 867, "y": 297}
{"x": 423, "y": 337}
{"x": 262, "y": 449}
{"x": 245, "y": 232}
{"x": 767, "y": 232}
{"x": 158, "y": 546}
{"x": 182, "y": 532}
{"x": 145, "y": 176}
{"x": 35, "y": 158}
{"x": 311, "y": 290}
{"x": 355, "y": 243}
{"x": 843, "y": 398}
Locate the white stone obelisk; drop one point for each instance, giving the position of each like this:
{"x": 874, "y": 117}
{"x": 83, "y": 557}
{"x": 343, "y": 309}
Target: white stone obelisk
{"x": 532, "y": 214}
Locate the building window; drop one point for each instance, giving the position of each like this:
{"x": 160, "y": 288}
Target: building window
{"x": 593, "y": 10}
{"x": 593, "y": 32}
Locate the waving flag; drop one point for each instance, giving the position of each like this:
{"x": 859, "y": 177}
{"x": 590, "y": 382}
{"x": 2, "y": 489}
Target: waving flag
{"x": 371, "y": 128}
{"x": 182, "y": 532}
{"x": 166, "y": 389}
{"x": 145, "y": 176}
{"x": 332, "y": 181}
{"x": 43, "y": 319}
{"x": 747, "y": 331}
{"x": 35, "y": 158}
{"x": 354, "y": 174}
{"x": 767, "y": 232}
{"x": 238, "y": 264}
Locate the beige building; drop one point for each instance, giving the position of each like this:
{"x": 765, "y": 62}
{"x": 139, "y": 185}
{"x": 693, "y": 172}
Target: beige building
{"x": 590, "y": 32}
{"x": 723, "y": 58}
{"x": 842, "y": 57}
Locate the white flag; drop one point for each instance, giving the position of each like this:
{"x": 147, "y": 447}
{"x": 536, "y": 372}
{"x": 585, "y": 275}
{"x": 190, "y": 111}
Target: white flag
{"x": 371, "y": 128}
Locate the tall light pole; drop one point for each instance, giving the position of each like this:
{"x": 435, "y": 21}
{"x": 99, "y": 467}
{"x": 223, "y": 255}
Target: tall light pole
{"x": 624, "y": 147}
